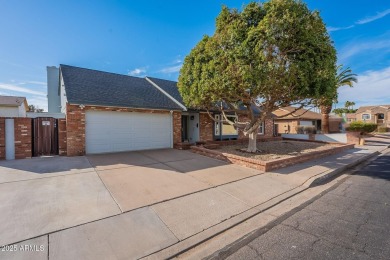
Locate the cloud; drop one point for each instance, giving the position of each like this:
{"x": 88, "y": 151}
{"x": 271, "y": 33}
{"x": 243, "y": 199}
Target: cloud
{"x": 373, "y": 18}
{"x": 36, "y": 83}
{"x": 369, "y": 90}
{"x": 171, "y": 69}
{"x": 333, "y": 29}
{"x": 38, "y": 101}
{"x": 356, "y": 48}
{"x": 362, "y": 21}
{"x": 21, "y": 89}
{"x": 137, "y": 72}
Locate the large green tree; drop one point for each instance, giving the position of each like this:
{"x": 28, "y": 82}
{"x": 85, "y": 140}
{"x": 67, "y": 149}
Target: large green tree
{"x": 265, "y": 57}
{"x": 344, "y": 77}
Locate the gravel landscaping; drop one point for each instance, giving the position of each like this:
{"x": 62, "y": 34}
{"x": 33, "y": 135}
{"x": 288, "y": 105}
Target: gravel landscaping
{"x": 277, "y": 149}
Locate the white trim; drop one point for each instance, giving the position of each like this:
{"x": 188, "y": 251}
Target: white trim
{"x": 165, "y": 93}
{"x": 263, "y": 128}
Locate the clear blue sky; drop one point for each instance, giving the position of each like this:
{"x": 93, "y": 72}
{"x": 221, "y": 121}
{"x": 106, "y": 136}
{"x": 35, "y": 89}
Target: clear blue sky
{"x": 152, "y": 37}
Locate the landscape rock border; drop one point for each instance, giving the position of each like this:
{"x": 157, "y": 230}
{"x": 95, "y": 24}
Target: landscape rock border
{"x": 267, "y": 166}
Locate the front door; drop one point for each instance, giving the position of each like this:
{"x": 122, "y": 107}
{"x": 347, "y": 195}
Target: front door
{"x": 193, "y": 127}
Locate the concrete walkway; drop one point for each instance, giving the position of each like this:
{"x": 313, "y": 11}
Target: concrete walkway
{"x": 134, "y": 205}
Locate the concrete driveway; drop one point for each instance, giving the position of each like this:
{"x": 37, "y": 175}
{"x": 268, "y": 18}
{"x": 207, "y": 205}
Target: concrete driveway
{"x": 44, "y": 195}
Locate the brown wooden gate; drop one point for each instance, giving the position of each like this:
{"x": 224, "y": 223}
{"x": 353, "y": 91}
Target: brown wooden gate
{"x": 45, "y": 136}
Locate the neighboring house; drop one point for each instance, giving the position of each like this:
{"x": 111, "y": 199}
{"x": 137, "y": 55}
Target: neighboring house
{"x": 351, "y": 117}
{"x": 107, "y": 112}
{"x": 11, "y": 106}
{"x": 302, "y": 117}
{"x": 379, "y": 114}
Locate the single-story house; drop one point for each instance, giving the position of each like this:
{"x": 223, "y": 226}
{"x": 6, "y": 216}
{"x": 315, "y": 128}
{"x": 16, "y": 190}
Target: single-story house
{"x": 302, "y": 117}
{"x": 108, "y": 112}
{"x": 379, "y": 114}
{"x": 11, "y": 106}
{"x": 290, "y": 122}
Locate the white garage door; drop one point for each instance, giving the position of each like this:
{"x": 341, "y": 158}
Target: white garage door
{"x": 107, "y": 132}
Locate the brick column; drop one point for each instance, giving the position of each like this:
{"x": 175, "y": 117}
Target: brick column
{"x": 176, "y": 120}
{"x": 2, "y": 138}
{"x": 75, "y": 130}
{"x": 23, "y": 138}
{"x": 62, "y": 137}
{"x": 268, "y": 127}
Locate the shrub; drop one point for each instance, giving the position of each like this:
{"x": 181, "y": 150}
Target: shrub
{"x": 362, "y": 127}
{"x": 382, "y": 129}
{"x": 301, "y": 129}
{"x": 310, "y": 129}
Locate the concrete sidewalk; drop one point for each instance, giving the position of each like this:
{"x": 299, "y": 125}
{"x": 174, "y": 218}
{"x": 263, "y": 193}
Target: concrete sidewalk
{"x": 170, "y": 227}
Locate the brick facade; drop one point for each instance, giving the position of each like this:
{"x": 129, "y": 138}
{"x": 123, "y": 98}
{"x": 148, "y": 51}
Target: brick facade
{"x": 23, "y": 138}
{"x": 62, "y": 137}
{"x": 75, "y": 125}
{"x": 2, "y": 138}
{"x": 268, "y": 128}
{"x": 176, "y": 120}
{"x": 206, "y": 126}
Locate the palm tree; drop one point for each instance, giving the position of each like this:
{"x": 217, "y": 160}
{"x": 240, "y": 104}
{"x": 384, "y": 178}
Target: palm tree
{"x": 348, "y": 104}
{"x": 343, "y": 78}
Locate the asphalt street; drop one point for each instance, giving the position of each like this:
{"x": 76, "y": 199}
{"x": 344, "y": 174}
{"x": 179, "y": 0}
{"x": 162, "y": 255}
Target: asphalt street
{"x": 351, "y": 221}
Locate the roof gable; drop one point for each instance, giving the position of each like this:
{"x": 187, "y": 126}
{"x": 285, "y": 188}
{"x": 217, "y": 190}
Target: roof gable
{"x": 92, "y": 87}
{"x": 170, "y": 87}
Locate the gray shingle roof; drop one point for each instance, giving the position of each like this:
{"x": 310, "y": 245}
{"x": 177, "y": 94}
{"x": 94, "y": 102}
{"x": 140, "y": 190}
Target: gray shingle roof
{"x": 11, "y": 101}
{"x": 92, "y": 87}
{"x": 170, "y": 87}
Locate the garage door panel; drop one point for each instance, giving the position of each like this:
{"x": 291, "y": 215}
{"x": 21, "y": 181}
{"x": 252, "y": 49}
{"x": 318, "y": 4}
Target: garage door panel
{"x": 123, "y": 131}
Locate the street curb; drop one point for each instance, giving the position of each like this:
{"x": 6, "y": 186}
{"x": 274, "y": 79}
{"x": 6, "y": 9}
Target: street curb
{"x": 333, "y": 173}
{"x": 197, "y": 239}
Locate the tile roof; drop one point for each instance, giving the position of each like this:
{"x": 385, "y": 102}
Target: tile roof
{"x": 92, "y": 87}
{"x": 11, "y": 101}
{"x": 299, "y": 114}
{"x": 374, "y": 109}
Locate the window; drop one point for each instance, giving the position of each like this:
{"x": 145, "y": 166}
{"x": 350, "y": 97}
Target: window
{"x": 261, "y": 128}
{"x": 225, "y": 128}
{"x": 228, "y": 129}
{"x": 381, "y": 116}
{"x": 366, "y": 116}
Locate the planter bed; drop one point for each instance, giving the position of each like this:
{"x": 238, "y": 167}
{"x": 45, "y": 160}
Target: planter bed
{"x": 277, "y": 154}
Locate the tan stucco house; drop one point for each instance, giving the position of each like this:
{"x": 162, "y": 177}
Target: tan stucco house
{"x": 379, "y": 114}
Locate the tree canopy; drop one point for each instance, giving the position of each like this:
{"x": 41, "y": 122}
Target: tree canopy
{"x": 33, "y": 108}
{"x": 268, "y": 56}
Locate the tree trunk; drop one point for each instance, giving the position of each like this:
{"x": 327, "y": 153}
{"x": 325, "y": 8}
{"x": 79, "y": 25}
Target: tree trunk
{"x": 252, "y": 146}
{"x": 325, "y": 111}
